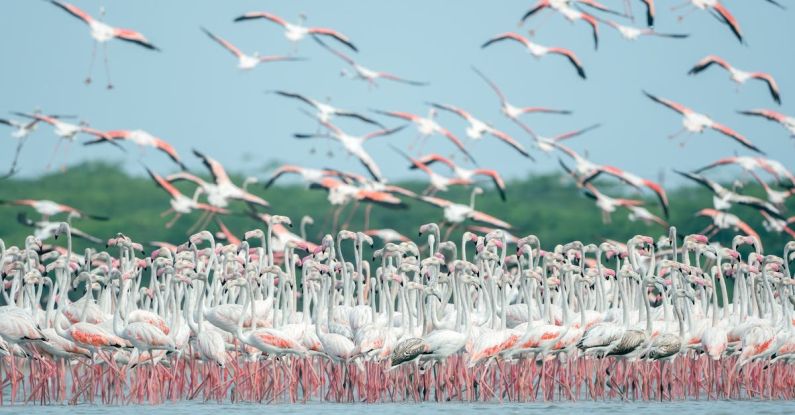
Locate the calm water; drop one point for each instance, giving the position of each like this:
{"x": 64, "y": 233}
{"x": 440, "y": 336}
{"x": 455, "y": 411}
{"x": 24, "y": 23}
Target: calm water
{"x": 612, "y": 408}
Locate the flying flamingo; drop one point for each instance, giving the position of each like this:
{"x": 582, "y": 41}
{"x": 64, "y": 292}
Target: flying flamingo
{"x": 309, "y": 175}
{"x": 247, "y": 62}
{"x": 65, "y": 131}
{"x": 387, "y": 235}
{"x": 102, "y": 33}
{"x": 538, "y": 50}
{"x": 718, "y": 10}
{"x": 45, "y": 229}
{"x": 511, "y": 111}
{"x": 723, "y": 198}
{"x": 747, "y": 163}
{"x": 47, "y": 208}
{"x": 21, "y": 132}
{"x": 785, "y": 120}
{"x": 478, "y": 128}
{"x": 325, "y": 111}
{"x": 725, "y": 220}
{"x": 355, "y": 144}
{"x": 366, "y": 74}
{"x": 634, "y": 181}
{"x": 456, "y": 213}
{"x": 570, "y": 13}
{"x": 650, "y": 11}
{"x": 142, "y": 139}
{"x": 604, "y": 202}
{"x": 633, "y": 33}
{"x": 547, "y": 144}
{"x": 438, "y": 183}
{"x": 694, "y": 122}
{"x": 428, "y": 126}
{"x": 463, "y": 173}
{"x": 181, "y": 204}
{"x": 296, "y": 32}
{"x": 737, "y": 75}
{"x": 226, "y": 188}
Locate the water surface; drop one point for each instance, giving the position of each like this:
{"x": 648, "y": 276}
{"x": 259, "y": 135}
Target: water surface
{"x": 591, "y": 408}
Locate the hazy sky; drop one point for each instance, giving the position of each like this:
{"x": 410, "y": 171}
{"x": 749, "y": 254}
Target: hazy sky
{"x": 192, "y": 95}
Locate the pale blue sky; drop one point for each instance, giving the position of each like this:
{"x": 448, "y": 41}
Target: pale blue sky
{"x": 192, "y": 95}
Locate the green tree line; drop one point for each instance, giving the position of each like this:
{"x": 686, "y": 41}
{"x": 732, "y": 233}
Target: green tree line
{"x": 549, "y": 206}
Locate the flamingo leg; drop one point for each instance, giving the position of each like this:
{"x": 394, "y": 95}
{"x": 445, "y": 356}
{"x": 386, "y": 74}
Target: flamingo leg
{"x": 54, "y": 152}
{"x": 107, "y": 64}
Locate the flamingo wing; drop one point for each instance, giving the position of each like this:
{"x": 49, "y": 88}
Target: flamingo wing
{"x": 510, "y": 141}
{"x": 571, "y": 134}
{"x": 134, "y": 37}
{"x": 334, "y": 35}
{"x": 507, "y": 36}
{"x": 445, "y": 132}
{"x": 452, "y": 108}
{"x": 736, "y": 136}
{"x": 392, "y": 77}
{"x": 230, "y": 47}
{"x": 706, "y": 62}
{"x": 491, "y": 220}
{"x": 164, "y": 184}
{"x": 668, "y": 103}
{"x": 771, "y": 85}
{"x": 727, "y": 18}
{"x": 540, "y": 5}
{"x": 74, "y": 11}
{"x": 499, "y": 183}
{"x": 216, "y": 169}
{"x": 769, "y": 114}
{"x": 572, "y": 58}
{"x": 261, "y": 15}
{"x": 358, "y": 116}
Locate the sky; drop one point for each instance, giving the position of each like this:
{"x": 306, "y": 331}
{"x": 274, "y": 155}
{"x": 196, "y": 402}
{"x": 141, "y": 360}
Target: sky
{"x": 192, "y": 94}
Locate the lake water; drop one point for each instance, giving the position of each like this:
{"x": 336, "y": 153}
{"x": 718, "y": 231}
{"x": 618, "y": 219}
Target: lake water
{"x": 591, "y": 408}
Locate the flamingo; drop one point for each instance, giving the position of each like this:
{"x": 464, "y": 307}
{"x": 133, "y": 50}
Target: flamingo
{"x": 786, "y": 121}
{"x": 309, "y": 175}
{"x": 716, "y": 8}
{"x": 325, "y": 111}
{"x": 723, "y": 198}
{"x": 456, "y": 213}
{"x": 694, "y": 122}
{"x": 295, "y": 32}
{"x": 102, "y": 32}
{"x": 247, "y": 62}
{"x": 547, "y": 144}
{"x": 570, "y": 13}
{"x": 387, "y": 235}
{"x": 737, "y": 75}
{"x": 64, "y": 130}
{"x": 225, "y": 187}
{"x": 477, "y": 128}
{"x": 355, "y": 145}
{"x": 366, "y": 74}
{"x": 725, "y": 220}
{"x": 634, "y": 33}
{"x": 21, "y": 132}
{"x": 428, "y": 126}
{"x": 181, "y": 204}
{"x": 636, "y": 182}
{"x": 513, "y": 112}
{"x": 45, "y": 229}
{"x": 47, "y": 208}
{"x": 538, "y": 51}
{"x": 466, "y": 175}
{"x": 142, "y": 139}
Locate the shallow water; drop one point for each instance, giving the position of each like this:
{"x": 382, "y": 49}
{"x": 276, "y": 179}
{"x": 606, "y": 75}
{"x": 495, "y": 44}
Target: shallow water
{"x": 591, "y": 408}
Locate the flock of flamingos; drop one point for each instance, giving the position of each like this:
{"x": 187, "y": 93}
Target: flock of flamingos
{"x": 272, "y": 316}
